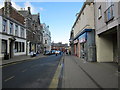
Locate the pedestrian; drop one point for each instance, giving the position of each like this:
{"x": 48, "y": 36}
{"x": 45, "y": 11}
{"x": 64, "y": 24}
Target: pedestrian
{"x": 69, "y": 52}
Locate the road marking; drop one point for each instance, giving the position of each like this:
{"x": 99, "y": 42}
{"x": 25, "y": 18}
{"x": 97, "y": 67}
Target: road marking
{"x": 24, "y": 70}
{"x": 9, "y": 78}
{"x": 55, "y": 80}
{"x": 10, "y": 64}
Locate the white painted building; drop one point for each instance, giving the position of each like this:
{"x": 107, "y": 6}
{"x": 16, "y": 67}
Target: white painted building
{"x": 46, "y": 37}
{"x": 12, "y": 33}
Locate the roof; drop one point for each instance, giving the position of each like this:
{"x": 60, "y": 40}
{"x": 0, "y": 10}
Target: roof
{"x": 36, "y": 17}
{"x": 23, "y": 12}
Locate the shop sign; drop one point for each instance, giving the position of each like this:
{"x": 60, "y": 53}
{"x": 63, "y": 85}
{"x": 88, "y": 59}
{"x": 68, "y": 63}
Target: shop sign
{"x": 75, "y": 41}
{"x": 83, "y": 38}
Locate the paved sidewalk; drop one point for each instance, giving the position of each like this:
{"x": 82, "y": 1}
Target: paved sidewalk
{"x": 21, "y": 58}
{"x": 80, "y": 74}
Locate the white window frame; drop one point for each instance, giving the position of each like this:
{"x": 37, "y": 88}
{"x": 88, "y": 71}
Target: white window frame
{"x": 99, "y": 12}
{"x": 22, "y": 34}
{"x": 16, "y": 30}
{"x": 4, "y": 29}
{"x": 11, "y": 28}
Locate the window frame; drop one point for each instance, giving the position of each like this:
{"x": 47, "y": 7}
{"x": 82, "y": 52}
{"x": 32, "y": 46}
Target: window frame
{"x": 4, "y": 25}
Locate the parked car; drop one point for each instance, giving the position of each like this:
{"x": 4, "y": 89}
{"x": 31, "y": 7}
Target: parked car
{"x": 47, "y": 53}
{"x": 57, "y": 52}
{"x": 32, "y": 54}
{"x": 53, "y": 52}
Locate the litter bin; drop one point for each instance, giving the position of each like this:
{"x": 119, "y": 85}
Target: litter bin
{"x": 6, "y": 56}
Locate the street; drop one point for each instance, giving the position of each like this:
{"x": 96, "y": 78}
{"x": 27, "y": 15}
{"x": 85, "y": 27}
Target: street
{"x": 30, "y": 74}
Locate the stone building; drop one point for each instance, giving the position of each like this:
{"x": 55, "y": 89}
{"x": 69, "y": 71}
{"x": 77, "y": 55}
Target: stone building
{"x": 12, "y": 32}
{"x": 107, "y": 24}
{"x": 59, "y": 46}
{"x": 34, "y": 31}
{"x": 46, "y": 37}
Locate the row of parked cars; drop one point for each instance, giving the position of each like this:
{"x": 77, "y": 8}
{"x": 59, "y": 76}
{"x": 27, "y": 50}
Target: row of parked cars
{"x": 52, "y": 52}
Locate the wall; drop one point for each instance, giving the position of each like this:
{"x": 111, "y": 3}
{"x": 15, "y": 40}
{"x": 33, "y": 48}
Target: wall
{"x": 86, "y": 18}
{"x": 104, "y": 47}
{"x": 6, "y": 37}
{"x": 101, "y": 26}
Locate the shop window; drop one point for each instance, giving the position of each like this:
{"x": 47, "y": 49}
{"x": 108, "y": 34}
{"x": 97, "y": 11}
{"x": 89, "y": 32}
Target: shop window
{"x": 16, "y": 47}
{"x": 4, "y": 46}
{"x": 22, "y": 46}
{"x": 19, "y": 46}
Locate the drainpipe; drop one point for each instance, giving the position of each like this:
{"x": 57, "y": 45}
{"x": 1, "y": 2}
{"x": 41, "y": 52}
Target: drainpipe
{"x": 94, "y": 5}
{"x": 118, "y": 40}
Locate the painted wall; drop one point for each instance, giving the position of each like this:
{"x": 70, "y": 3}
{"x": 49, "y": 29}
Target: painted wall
{"x": 6, "y": 37}
{"x": 86, "y": 19}
{"x": 100, "y": 24}
{"x": 104, "y": 47}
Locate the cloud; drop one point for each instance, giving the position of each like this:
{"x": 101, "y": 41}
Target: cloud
{"x": 15, "y": 5}
{"x": 28, "y": 4}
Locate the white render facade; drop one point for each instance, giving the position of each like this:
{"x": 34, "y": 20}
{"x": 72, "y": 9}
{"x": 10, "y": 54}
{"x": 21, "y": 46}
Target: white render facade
{"x": 12, "y": 37}
{"x": 46, "y": 37}
{"x": 107, "y": 17}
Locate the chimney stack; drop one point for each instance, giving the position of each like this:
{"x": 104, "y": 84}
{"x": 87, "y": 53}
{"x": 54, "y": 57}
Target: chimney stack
{"x": 29, "y": 9}
{"x": 7, "y": 7}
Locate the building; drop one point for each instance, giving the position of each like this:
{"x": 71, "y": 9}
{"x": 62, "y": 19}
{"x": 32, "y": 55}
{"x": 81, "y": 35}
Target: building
{"x": 59, "y": 46}
{"x": 46, "y": 37}
{"x": 107, "y": 24}
{"x": 82, "y": 36}
{"x": 12, "y": 32}
{"x": 34, "y": 31}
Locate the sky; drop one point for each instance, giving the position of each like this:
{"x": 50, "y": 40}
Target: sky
{"x": 60, "y": 16}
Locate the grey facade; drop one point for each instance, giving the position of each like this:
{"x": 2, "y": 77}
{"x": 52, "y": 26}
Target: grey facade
{"x": 34, "y": 31}
{"x": 107, "y": 17}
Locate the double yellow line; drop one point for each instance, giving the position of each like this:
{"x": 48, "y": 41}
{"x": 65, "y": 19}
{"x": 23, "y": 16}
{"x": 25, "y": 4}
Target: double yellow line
{"x": 55, "y": 80}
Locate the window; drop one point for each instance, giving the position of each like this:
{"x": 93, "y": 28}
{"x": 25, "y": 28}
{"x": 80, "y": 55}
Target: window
{"x": 4, "y": 25}
{"x": 22, "y": 32}
{"x": 16, "y": 47}
{"x": 109, "y": 3}
{"x": 22, "y": 46}
{"x": 45, "y": 41}
{"x": 109, "y": 11}
{"x": 16, "y": 30}
{"x": 4, "y": 46}
{"x": 99, "y": 12}
{"x": 19, "y": 47}
{"x": 11, "y": 28}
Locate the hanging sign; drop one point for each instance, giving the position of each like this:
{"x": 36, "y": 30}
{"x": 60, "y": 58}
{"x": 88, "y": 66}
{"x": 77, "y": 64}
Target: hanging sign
{"x": 83, "y": 38}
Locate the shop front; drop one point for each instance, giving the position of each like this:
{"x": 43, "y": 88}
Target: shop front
{"x": 85, "y": 45}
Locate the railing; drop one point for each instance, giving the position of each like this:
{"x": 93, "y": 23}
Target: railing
{"x": 109, "y": 14}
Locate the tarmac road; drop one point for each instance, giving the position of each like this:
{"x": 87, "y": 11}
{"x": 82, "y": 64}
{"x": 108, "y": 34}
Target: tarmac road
{"x": 30, "y": 74}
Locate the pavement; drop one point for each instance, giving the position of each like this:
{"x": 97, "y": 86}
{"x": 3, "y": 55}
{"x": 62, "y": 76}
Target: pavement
{"x": 78, "y": 73}
{"x": 20, "y": 58}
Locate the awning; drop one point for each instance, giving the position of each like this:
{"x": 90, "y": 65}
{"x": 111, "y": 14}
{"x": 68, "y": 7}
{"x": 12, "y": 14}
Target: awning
{"x": 82, "y": 32}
